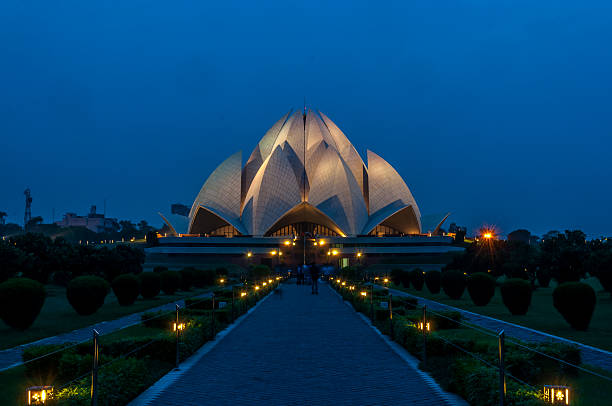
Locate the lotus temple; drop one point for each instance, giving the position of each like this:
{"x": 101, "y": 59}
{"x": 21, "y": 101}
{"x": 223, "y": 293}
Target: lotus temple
{"x": 304, "y": 194}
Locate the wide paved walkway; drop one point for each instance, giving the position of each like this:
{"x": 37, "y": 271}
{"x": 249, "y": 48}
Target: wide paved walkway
{"x": 301, "y": 349}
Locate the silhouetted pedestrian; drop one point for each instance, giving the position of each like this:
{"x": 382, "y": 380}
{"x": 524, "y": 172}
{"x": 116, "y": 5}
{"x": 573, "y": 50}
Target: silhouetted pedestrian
{"x": 314, "y": 275}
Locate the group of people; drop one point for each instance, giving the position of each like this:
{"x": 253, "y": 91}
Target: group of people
{"x": 314, "y": 271}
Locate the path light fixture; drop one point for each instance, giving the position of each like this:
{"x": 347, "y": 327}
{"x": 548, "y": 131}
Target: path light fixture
{"x": 337, "y": 280}
{"x": 270, "y": 281}
{"x": 343, "y": 283}
{"x": 221, "y": 281}
{"x": 427, "y": 326}
{"x": 180, "y": 327}
{"x": 557, "y": 394}
{"x": 334, "y": 252}
{"x": 38, "y": 395}
{"x": 287, "y": 242}
{"x": 363, "y": 293}
{"x": 351, "y": 287}
{"x": 249, "y": 254}
{"x": 256, "y": 287}
{"x": 386, "y": 280}
{"x": 243, "y": 294}
{"x": 264, "y": 284}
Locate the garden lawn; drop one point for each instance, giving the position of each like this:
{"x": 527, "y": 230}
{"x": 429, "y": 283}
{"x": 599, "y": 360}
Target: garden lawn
{"x": 542, "y": 315}
{"x": 57, "y": 316}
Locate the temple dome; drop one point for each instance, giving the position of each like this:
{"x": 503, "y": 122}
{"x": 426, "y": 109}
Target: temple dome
{"x": 304, "y": 175}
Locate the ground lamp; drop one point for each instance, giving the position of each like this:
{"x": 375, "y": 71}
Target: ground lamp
{"x": 38, "y": 395}
{"x": 363, "y": 293}
{"x": 427, "y": 327}
{"x": 243, "y": 294}
{"x": 179, "y": 327}
{"x": 343, "y": 283}
{"x": 256, "y": 287}
{"x": 221, "y": 281}
{"x": 556, "y": 394}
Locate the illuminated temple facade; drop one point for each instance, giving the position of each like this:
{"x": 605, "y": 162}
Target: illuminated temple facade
{"x": 304, "y": 176}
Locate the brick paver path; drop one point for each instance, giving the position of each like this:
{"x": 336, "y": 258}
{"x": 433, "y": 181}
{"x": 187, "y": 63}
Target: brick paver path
{"x": 301, "y": 349}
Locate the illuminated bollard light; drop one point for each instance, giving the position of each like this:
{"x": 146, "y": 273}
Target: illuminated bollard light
{"x": 243, "y": 294}
{"x": 38, "y": 395}
{"x": 180, "y": 327}
{"x": 427, "y": 326}
{"x": 557, "y": 394}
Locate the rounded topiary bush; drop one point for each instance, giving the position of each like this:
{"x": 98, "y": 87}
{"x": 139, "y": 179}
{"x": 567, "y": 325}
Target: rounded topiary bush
{"x": 405, "y": 279}
{"x": 150, "y": 284}
{"x": 186, "y": 278}
{"x": 86, "y": 294}
{"x": 170, "y": 281}
{"x": 417, "y": 278}
{"x": 516, "y": 295}
{"x": 576, "y": 303}
{"x": 481, "y": 287}
{"x": 203, "y": 278}
{"x": 20, "y": 302}
{"x": 433, "y": 281}
{"x": 396, "y": 276}
{"x": 453, "y": 283}
{"x": 126, "y": 288}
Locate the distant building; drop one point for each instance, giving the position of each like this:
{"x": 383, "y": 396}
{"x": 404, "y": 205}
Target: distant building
{"x": 179, "y": 209}
{"x": 93, "y": 221}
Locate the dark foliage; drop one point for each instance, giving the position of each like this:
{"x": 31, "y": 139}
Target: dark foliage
{"x": 417, "y": 278}
{"x": 21, "y": 300}
{"x": 170, "y": 282}
{"x": 86, "y": 294}
{"x": 150, "y": 284}
{"x": 203, "y": 278}
{"x": 396, "y": 276}
{"x": 126, "y": 288}
{"x": 160, "y": 269}
{"x": 187, "y": 278}
{"x": 481, "y": 287}
{"x": 576, "y": 303}
{"x": 543, "y": 277}
{"x": 453, "y": 283}
{"x": 516, "y": 295}
{"x": 433, "y": 281}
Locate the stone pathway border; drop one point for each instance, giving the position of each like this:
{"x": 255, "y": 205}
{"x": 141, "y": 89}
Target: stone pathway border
{"x": 590, "y": 355}
{"x": 11, "y": 357}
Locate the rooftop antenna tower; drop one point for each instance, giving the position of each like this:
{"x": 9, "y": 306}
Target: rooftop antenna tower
{"x": 28, "y": 206}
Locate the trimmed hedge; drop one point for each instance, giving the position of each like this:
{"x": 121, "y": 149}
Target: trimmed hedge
{"x": 187, "y": 278}
{"x": 481, "y": 287}
{"x": 576, "y": 303}
{"x": 150, "y": 284}
{"x": 86, "y": 294}
{"x": 417, "y": 278}
{"x": 453, "y": 283}
{"x": 126, "y": 288}
{"x": 405, "y": 279}
{"x": 433, "y": 281}
{"x": 516, "y": 295}
{"x": 160, "y": 269}
{"x": 170, "y": 281}
{"x": 203, "y": 278}
{"x": 21, "y": 300}
{"x": 543, "y": 277}
{"x": 396, "y": 276}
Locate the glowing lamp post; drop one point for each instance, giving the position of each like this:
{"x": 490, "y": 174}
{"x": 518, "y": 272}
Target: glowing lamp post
{"x": 557, "y": 395}
{"x": 243, "y": 294}
{"x": 38, "y": 395}
{"x": 180, "y": 327}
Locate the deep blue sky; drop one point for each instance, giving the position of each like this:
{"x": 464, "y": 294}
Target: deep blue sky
{"x": 498, "y": 111}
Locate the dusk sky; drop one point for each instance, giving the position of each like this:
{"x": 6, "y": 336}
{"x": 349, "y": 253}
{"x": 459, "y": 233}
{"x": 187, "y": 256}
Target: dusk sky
{"x": 499, "y": 112}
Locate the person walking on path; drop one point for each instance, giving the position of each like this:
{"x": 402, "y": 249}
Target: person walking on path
{"x": 314, "y": 275}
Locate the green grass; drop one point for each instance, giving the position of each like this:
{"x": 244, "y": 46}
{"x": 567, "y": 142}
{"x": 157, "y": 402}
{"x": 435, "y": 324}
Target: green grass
{"x": 57, "y": 316}
{"x": 13, "y": 384}
{"x": 542, "y": 315}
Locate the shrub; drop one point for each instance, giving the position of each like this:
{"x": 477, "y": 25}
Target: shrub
{"x": 417, "y": 278}
{"x": 126, "y": 288}
{"x": 221, "y": 272}
{"x": 432, "y": 280}
{"x": 516, "y": 295}
{"x": 405, "y": 279}
{"x": 86, "y": 294}
{"x": 170, "y": 281}
{"x": 576, "y": 303}
{"x": 20, "y": 302}
{"x": 150, "y": 284}
{"x": 186, "y": 278}
{"x": 203, "y": 278}
{"x": 160, "y": 269}
{"x": 396, "y": 276}
{"x": 453, "y": 283}
{"x": 543, "y": 277}
{"x": 481, "y": 288}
